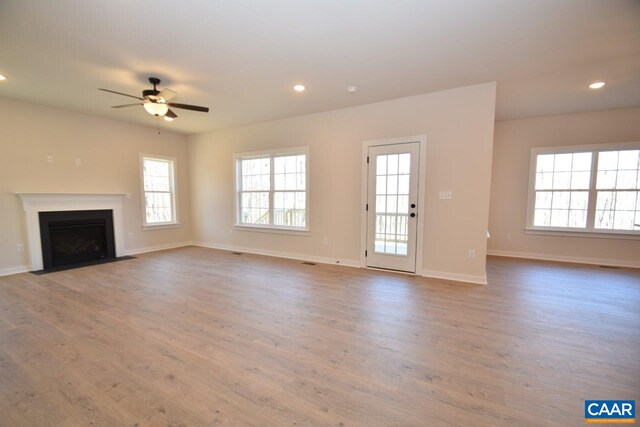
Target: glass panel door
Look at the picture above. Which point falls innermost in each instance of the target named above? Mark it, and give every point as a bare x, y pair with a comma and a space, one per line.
392, 206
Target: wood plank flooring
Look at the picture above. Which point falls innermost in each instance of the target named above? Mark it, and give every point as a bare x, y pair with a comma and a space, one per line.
202, 337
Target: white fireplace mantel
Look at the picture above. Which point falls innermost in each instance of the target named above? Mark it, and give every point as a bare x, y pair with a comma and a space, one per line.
34, 203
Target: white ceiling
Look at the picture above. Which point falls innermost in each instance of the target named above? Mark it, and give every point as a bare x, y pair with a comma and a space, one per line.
241, 57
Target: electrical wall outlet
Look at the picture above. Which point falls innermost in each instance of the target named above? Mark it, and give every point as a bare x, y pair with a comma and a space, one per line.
471, 254
20, 247
446, 195
50, 159
325, 241
78, 162
507, 236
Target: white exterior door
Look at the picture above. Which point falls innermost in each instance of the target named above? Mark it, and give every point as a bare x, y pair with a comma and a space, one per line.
392, 206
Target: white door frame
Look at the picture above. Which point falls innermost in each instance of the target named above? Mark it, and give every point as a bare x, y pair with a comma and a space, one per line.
422, 171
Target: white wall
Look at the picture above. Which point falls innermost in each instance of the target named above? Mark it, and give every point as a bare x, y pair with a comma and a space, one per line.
110, 164
513, 142
459, 126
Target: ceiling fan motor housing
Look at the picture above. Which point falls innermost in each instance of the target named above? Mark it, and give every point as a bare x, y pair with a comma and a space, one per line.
148, 93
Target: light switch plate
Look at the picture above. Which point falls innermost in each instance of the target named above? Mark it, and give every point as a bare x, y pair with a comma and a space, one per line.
446, 195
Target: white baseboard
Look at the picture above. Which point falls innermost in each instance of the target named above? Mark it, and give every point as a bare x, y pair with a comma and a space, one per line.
349, 263
25, 268
456, 277
562, 258
13, 270
278, 254
156, 248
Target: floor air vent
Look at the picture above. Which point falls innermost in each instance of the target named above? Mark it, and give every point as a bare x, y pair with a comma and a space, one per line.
308, 263
610, 266
236, 253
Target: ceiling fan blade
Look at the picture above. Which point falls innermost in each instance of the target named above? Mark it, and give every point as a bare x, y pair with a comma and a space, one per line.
171, 114
126, 105
189, 107
120, 93
166, 94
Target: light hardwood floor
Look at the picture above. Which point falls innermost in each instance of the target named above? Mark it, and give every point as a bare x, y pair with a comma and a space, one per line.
197, 336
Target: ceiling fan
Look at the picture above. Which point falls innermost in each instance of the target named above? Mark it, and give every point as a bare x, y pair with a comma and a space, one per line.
156, 102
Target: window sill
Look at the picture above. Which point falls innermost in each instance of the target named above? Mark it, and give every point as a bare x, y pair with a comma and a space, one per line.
273, 230
588, 234
150, 227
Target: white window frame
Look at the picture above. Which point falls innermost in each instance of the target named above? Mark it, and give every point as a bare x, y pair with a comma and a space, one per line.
589, 230
173, 189
237, 157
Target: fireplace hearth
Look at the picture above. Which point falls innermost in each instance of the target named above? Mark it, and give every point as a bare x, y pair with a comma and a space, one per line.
76, 237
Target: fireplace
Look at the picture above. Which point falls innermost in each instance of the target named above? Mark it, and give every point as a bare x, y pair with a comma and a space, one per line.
76, 237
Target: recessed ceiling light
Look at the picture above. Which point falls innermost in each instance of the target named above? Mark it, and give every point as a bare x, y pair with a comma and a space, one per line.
2, 77
169, 119
299, 88
596, 85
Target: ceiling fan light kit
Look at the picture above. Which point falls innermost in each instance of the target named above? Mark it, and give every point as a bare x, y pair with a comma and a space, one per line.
156, 109
156, 102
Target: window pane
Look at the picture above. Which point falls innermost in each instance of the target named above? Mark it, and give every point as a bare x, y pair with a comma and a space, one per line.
605, 200
254, 208
581, 162
617, 210
543, 199
559, 217
579, 200
156, 175
580, 180
403, 184
545, 163
392, 204
158, 207
392, 164
404, 163
560, 200
289, 208
544, 180
381, 184
392, 184
626, 201
604, 219
626, 179
563, 162
623, 220
255, 174
561, 180
628, 159
542, 217
381, 165
606, 179
279, 165
577, 218
608, 160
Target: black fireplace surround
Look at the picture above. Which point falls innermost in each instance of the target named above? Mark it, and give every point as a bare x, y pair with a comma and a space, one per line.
75, 237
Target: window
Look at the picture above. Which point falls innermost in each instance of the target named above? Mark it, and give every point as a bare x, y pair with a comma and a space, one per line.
158, 186
272, 189
586, 189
